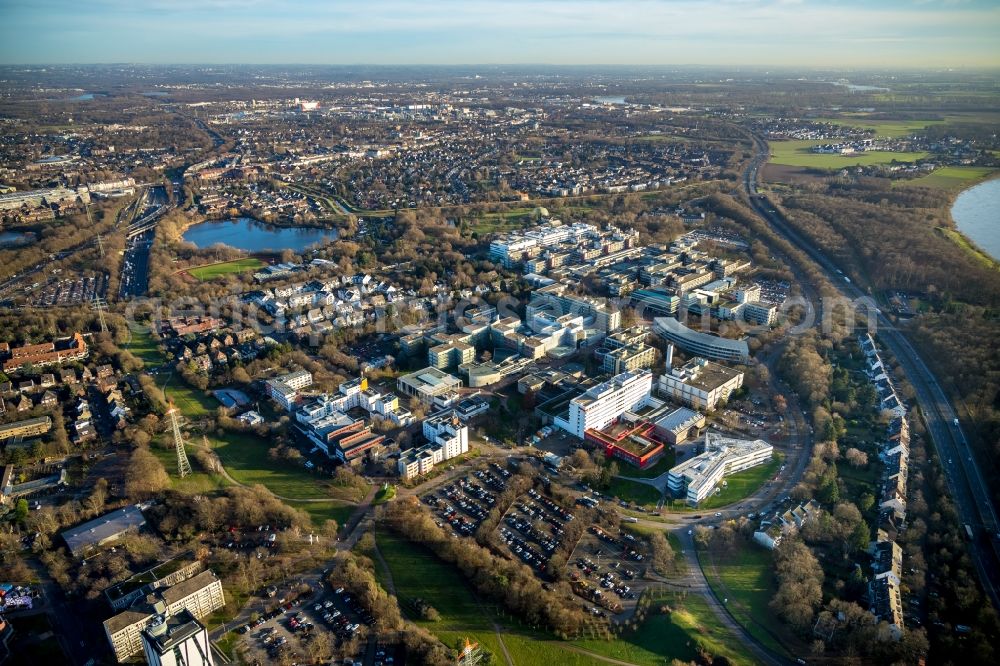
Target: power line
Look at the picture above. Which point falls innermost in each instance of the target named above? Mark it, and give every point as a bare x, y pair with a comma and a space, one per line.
183, 464
99, 305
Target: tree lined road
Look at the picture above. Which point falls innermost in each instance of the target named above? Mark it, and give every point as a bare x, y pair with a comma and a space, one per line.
965, 480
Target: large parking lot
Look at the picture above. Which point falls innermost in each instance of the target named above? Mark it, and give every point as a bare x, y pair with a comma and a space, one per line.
71, 291
603, 568
283, 633
607, 571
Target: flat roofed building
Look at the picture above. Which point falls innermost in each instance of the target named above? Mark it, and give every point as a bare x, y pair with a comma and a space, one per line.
200, 595
447, 436
284, 389
27, 428
606, 402
679, 425
101, 530
702, 344
632, 442
177, 640
427, 384
624, 359
696, 478
700, 384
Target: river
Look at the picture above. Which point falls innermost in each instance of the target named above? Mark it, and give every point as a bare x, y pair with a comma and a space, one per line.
244, 233
976, 212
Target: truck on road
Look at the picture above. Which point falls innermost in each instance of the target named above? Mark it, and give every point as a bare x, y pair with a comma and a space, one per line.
968, 532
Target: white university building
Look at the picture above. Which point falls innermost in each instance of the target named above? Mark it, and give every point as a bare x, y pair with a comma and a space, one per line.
605, 403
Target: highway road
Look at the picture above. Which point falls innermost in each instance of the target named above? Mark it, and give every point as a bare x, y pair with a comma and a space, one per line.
965, 480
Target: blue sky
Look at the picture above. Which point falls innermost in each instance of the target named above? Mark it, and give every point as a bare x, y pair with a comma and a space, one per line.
848, 33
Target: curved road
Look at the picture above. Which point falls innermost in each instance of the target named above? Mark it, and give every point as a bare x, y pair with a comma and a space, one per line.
965, 480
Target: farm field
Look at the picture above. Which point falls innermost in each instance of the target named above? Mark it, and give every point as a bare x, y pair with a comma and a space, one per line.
887, 128
211, 271
797, 153
950, 178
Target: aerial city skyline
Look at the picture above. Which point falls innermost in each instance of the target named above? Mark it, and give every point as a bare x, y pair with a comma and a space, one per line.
844, 33
528, 333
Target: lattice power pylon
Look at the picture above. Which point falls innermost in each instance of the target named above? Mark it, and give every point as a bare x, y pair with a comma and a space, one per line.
471, 654
183, 464
99, 306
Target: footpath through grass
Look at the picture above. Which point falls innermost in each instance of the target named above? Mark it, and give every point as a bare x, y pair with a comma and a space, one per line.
211, 271
676, 634
640, 494
743, 575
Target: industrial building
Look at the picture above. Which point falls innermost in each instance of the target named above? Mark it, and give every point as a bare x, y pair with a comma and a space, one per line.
103, 529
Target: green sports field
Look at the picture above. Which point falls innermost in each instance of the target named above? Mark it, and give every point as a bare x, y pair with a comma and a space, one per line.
212, 271
798, 154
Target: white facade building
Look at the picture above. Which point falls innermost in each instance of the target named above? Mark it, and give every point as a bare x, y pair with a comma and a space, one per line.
448, 437
606, 402
697, 477
178, 640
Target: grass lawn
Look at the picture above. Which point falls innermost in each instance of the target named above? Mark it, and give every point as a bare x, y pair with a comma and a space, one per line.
211, 271
960, 240
320, 512
950, 177
634, 492
744, 574
418, 574
797, 153
193, 403
197, 482
385, 494
661, 466
143, 346
742, 484
245, 458
677, 635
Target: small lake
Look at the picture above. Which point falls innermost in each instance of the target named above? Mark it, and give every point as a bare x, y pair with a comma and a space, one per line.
976, 211
244, 233
10, 239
